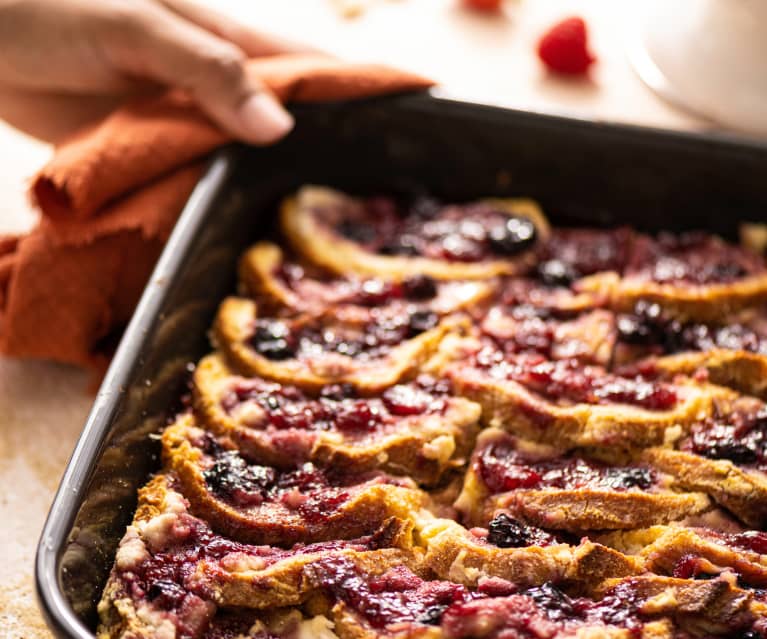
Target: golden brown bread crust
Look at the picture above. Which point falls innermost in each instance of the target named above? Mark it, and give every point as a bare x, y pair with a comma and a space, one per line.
421, 446
509, 405
743, 492
260, 264
743, 371
576, 510
237, 579
454, 553
663, 547
368, 504
232, 330
708, 302
705, 608
317, 243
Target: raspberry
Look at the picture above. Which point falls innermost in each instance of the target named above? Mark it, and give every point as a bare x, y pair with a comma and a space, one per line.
483, 5
563, 48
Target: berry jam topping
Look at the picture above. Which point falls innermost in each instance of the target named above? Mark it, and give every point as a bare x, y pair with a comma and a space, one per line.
570, 254
568, 379
337, 408
311, 492
279, 340
465, 233
397, 596
647, 326
366, 292
693, 257
544, 611
740, 436
502, 468
505, 532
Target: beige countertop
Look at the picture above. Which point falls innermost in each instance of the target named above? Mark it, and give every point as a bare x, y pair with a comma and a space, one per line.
43, 405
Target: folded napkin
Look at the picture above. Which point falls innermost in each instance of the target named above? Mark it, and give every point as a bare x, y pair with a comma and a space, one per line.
110, 197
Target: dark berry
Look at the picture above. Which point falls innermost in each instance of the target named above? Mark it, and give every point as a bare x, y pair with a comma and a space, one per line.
624, 478
514, 235
356, 232
556, 273
753, 540
505, 532
432, 615
406, 400
421, 321
554, 602
632, 330
166, 594
419, 287
357, 416
232, 477
425, 208
338, 392
272, 339
406, 245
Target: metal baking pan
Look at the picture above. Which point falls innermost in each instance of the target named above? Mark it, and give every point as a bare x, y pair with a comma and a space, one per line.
582, 172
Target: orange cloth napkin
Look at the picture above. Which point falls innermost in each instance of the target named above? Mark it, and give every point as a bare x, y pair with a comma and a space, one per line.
110, 197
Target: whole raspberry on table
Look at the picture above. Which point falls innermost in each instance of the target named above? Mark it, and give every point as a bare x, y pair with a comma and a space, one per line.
564, 47
482, 5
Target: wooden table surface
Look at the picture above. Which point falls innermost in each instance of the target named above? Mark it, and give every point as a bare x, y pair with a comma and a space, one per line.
43, 405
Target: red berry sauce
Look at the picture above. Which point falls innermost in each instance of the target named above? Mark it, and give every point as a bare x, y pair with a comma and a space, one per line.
568, 379
458, 233
693, 258
337, 407
740, 437
503, 468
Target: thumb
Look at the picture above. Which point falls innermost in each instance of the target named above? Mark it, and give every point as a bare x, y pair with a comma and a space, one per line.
166, 48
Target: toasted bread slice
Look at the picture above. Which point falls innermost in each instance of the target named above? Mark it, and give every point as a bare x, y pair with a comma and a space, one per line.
696, 552
280, 284
263, 505
740, 490
468, 557
311, 361
564, 491
417, 429
520, 394
310, 218
172, 571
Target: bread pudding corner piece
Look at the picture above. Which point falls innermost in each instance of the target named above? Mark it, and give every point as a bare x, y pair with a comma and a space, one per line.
264, 505
280, 284
554, 490
696, 552
172, 574
417, 429
568, 404
693, 276
371, 237
520, 553
312, 352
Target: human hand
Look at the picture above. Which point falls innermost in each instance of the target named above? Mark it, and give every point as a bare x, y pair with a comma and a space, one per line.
68, 62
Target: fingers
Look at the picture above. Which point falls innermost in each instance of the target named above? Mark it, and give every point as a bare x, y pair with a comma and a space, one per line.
162, 46
253, 42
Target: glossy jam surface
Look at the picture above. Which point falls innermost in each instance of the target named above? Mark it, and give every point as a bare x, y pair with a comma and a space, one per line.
506, 532
278, 339
313, 493
570, 254
459, 233
338, 407
648, 327
568, 379
397, 596
363, 292
740, 436
693, 258
503, 468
